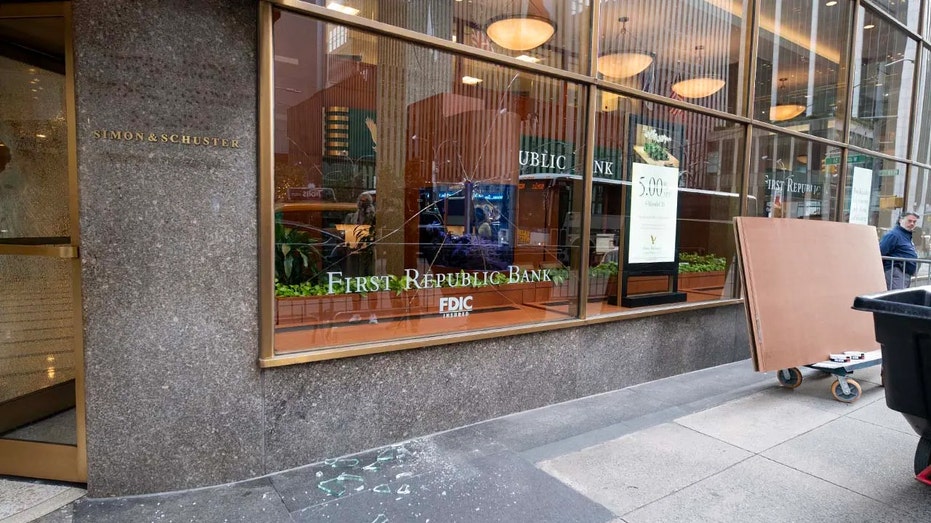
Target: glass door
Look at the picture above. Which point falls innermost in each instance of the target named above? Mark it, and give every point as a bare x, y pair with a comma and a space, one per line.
41, 357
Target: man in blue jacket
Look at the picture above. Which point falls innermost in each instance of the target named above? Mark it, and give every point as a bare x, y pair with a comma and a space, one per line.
897, 243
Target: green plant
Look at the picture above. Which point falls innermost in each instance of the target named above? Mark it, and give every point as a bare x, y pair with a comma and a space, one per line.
398, 284
655, 151
693, 262
604, 269
296, 257
559, 276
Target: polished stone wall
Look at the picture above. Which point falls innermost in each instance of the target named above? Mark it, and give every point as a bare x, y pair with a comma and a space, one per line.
175, 398
168, 242
327, 409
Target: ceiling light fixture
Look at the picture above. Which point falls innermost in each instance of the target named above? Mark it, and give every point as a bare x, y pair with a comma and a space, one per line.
528, 58
471, 80
831, 3
869, 26
526, 27
701, 84
784, 110
622, 59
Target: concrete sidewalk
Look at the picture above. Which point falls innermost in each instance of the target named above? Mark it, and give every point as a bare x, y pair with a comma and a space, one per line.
722, 444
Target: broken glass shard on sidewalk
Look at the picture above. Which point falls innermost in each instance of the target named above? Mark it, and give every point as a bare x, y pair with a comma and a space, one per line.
348, 463
338, 485
386, 455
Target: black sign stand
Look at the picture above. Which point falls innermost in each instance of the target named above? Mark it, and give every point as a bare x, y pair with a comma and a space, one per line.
668, 269
672, 295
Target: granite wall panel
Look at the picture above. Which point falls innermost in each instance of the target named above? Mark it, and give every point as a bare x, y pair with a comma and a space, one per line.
328, 409
169, 250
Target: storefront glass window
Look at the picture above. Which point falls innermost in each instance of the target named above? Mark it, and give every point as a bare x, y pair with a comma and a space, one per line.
548, 32
927, 26
922, 133
662, 213
907, 12
883, 71
691, 51
874, 190
417, 193
800, 70
919, 201
792, 178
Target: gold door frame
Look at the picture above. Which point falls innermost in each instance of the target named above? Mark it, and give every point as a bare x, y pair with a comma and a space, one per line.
39, 459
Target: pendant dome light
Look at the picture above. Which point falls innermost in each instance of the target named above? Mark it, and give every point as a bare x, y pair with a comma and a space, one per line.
702, 84
622, 59
528, 25
784, 110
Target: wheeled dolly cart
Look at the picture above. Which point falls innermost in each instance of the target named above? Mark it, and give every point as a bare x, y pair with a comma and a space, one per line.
843, 388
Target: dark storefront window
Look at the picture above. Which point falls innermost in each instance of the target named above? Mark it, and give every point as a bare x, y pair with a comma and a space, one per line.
691, 51
793, 178
547, 32
417, 193
801, 65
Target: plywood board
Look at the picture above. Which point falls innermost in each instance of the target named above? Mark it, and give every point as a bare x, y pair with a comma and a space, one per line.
800, 278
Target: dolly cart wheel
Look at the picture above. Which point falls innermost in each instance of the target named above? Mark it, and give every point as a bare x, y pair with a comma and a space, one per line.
922, 455
846, 389
790, 378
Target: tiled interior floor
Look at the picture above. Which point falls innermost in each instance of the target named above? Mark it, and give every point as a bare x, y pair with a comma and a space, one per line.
36, 335
60, 428
37, 344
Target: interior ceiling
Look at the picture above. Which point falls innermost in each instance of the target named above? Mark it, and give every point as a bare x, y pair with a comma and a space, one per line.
676, 22
669, 31
670, 34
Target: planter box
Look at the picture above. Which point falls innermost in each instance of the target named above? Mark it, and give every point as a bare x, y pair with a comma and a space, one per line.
648, 284
687, 281
311, 310
701, 280
315, 310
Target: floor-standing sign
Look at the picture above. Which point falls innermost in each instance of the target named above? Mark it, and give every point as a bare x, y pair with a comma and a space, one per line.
860, 195
652, 240
653, 201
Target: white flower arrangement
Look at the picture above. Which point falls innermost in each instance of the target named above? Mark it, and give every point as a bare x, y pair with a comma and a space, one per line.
654, 145
653, 136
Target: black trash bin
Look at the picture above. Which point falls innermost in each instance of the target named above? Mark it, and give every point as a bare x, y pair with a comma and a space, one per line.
902, 321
